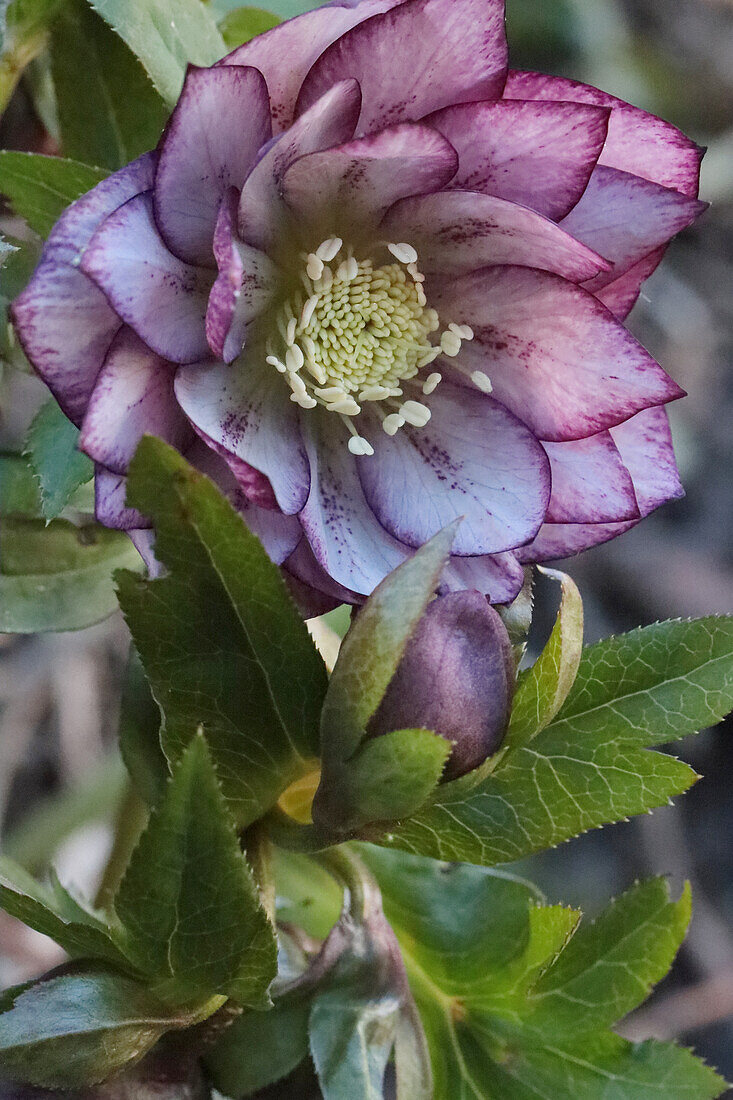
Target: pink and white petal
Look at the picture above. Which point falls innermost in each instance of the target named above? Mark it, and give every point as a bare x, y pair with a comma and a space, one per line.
64, 322
562, 540
143, 540
456, 232
133, 396
278, 533
473, 460
535, 153
621, 295
251, 486
637, 142
556, 357
590, 483
285, 54
245, 285
159, 296
314, 589
348, 189
330, 121
245, 409
498, 576
625, 218
344, 534
645, 445
415, 59
110, 491
211, 143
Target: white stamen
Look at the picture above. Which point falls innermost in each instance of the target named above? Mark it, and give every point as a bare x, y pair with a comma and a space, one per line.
290, 332
331, 393
417, 276
431, 383
294, 358
466, 332
329, 249
304, 402
374, 393
421, 296
450, 344
360, 446
317, 371
428, 358
308, 310
276, 363
325, 281
297, 385
405, 253
415, 413
346, 405
392, 423
314, 267
348, 270
482, 381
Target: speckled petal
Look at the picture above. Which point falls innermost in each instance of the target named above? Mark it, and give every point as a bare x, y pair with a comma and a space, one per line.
557, 358
415, 59
159, 296
211, 142
110, 509
133, 396
473, 460
538, 154
590, 483
563, 540
645, 445
499, 576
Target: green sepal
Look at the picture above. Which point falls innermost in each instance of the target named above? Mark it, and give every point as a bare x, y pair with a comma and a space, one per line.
40, 188
61, 469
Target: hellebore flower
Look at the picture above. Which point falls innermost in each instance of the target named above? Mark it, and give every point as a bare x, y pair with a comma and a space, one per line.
377, 281
456, 678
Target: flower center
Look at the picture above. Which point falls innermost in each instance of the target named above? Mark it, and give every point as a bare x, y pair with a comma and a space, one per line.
360, 336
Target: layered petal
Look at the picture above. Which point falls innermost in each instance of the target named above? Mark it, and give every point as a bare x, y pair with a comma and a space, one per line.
415, 59
620, 296
456, 232
498, 576
637, 142
535, 153
329, 121
344, 534
245, 285
133, 396
348, 189
625, 218
245, 410
645, 445
285, 54
110, 490
314, 589
556, 357
63, 321
159, 296
590, 483
211, 142
473, 460
562, 540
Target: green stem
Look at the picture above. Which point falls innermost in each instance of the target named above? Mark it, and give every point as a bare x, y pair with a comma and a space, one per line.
351, 871
132, 818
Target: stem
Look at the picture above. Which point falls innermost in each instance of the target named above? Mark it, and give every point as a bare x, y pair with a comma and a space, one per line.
351, 871
258, 846
132, 818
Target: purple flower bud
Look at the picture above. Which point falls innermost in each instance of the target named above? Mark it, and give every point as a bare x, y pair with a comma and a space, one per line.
456, 678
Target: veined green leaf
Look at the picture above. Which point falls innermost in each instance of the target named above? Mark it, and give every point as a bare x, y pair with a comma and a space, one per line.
244, 24
40, 188
60, 467
58, 577
109, 112
166, 35
188, 902
221, 641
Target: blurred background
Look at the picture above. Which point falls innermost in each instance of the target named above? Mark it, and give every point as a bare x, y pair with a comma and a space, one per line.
61, 780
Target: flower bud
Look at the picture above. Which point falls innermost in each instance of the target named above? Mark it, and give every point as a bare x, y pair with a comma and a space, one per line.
456, 678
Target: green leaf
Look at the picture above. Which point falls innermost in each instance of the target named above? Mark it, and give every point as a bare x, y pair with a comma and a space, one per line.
109, 112
244, 24
58, 577
188, 902
24, 26
351, 1039
40, 188
589, 766
61, 469
221, 641
139, 735
306, 894
390, 777
515, 1006
52, 911
19, 490
166, 35
260, 1048
79, 1029
543, 688
375, 644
